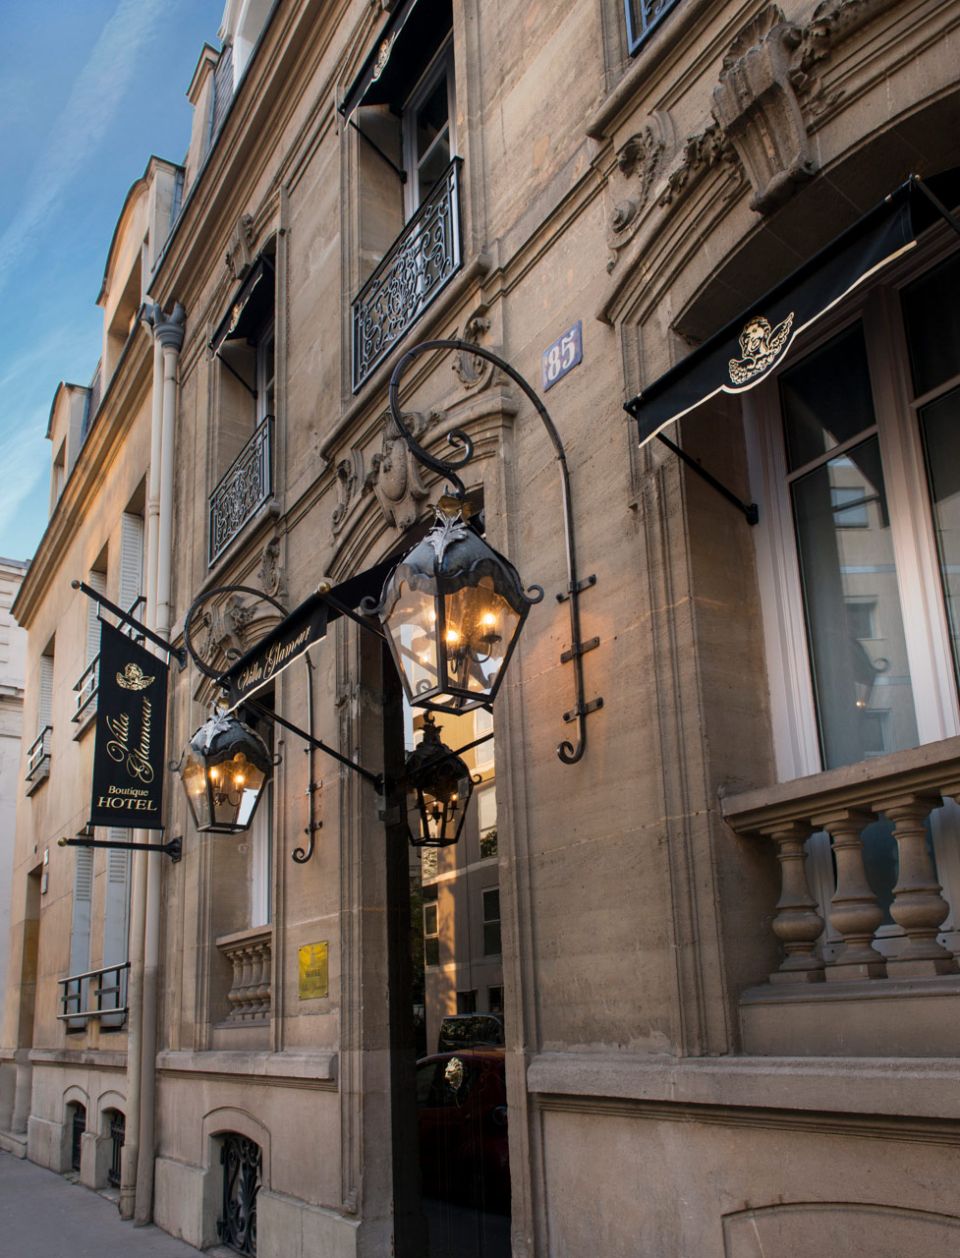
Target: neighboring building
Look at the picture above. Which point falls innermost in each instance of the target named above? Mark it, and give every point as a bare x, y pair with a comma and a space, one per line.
692, 1065
13, 649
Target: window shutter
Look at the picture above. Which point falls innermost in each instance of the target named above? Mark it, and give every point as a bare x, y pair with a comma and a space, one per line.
97, 581
131, 559
45, 705
117, 907
82, 898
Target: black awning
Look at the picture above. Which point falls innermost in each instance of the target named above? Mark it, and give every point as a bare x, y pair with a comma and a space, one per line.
249, 308
403, 50
744, 352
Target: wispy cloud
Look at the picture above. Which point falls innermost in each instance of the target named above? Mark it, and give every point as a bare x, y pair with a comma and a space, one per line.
25, 458
96, 96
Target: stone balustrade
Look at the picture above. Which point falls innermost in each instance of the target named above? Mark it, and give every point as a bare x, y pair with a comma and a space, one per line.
250, 953
905, 788
845, 946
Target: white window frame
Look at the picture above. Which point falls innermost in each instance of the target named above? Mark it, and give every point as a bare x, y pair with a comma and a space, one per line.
923, 607
440, 67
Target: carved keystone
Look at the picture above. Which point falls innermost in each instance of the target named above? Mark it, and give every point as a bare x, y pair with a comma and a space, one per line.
757, 109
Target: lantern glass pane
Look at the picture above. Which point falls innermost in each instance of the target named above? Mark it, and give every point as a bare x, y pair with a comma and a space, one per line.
480, 625
235, 787
194, 780
412, 625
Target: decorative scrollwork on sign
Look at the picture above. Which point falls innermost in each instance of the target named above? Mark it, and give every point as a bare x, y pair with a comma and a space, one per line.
247, 485
418, 266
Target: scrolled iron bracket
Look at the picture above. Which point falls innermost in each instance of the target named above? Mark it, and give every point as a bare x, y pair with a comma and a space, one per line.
300, 854
568, 752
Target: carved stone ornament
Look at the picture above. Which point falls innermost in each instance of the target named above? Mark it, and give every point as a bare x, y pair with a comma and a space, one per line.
471, 370
270, 572
226, 625
240, 252
639, 160
701, 151
756, 107
394, 474
349, 474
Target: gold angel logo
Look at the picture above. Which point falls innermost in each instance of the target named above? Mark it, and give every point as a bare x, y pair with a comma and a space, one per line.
133, 678
761, 346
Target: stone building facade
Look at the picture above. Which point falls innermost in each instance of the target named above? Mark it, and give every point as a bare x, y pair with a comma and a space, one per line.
725, 915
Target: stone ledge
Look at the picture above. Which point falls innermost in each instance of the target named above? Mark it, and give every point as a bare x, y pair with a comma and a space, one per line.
243, 1066
98, 1059
922, 770
893, 1087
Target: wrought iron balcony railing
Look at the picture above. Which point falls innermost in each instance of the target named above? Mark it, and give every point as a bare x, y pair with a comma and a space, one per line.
86, 688
642, 17
245, 487
95, 994
417, 267
38, 756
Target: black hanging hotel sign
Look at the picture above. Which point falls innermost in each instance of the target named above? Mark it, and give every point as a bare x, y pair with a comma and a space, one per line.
129, 755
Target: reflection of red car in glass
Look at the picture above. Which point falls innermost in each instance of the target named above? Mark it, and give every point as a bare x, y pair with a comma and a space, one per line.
462, 1127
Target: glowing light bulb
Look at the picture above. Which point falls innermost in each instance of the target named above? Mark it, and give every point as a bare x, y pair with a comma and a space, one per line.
488, 620
453, 638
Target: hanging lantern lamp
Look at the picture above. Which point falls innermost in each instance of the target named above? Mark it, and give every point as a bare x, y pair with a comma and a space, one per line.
224, 773
441, 785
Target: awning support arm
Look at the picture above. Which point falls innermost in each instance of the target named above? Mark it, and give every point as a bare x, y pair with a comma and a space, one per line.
749, 509
938, 205
377, 149
236, 374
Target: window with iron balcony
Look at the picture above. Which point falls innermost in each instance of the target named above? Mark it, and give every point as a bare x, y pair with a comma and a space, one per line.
402, 112
642, 17
244, 347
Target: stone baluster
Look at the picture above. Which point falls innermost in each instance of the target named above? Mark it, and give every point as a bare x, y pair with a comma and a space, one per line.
854, 911
234, 995
263, 991
918, 906
797, 924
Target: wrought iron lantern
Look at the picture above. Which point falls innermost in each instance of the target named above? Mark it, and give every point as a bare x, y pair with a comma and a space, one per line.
453, 609
441, 785
224, 773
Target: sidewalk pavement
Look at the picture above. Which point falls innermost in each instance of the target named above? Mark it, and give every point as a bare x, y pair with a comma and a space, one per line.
43, 1215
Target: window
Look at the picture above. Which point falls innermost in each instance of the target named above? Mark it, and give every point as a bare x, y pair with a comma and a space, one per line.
245, 346
641, 18
857, 549
431, 941
487, 821
466, 1002
88, 682
863, 447
39, 751
491, 922
427, 128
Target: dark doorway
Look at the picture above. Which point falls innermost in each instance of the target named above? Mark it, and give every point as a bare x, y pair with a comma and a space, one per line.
448, 1077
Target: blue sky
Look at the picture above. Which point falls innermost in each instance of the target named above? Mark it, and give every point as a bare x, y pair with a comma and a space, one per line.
89, 89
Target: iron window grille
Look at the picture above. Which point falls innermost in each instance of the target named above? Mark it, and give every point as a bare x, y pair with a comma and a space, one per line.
118, 1126
242, 1163
242, 491
78, 1127
38, 755
95, 993
415, 270
642, 17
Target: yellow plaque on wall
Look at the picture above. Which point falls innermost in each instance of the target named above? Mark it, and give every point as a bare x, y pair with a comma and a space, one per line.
314, 973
